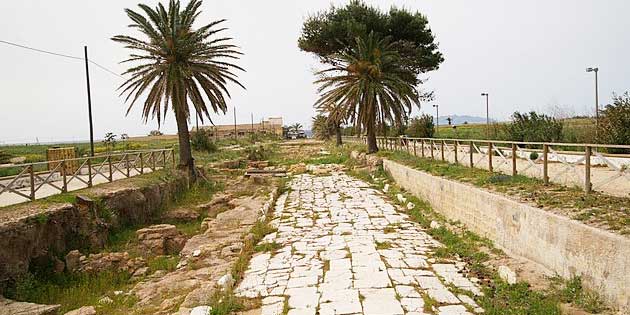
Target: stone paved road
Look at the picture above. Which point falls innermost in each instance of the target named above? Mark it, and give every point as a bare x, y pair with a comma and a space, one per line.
345, 249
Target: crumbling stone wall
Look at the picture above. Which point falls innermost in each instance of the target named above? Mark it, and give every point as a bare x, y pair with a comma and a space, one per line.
42, 240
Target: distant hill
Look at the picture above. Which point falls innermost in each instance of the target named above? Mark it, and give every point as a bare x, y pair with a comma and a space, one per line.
460, 120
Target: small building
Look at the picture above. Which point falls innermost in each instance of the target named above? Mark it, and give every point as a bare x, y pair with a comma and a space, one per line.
272, 125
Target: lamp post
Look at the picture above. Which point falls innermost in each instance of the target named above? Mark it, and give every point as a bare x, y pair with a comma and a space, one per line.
596, 70
437, 118
487, 115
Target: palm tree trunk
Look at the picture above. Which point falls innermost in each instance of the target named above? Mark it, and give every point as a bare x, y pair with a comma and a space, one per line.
186, 161
371, 139
338, 134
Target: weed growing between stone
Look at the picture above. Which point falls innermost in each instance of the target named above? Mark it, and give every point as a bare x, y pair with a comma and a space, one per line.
72, 291
499, 297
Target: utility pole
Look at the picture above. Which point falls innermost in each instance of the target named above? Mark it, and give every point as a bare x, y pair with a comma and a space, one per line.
596, 70
487, 115
437, 118
87, 76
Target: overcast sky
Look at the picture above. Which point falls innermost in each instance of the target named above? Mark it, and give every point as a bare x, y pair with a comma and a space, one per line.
529, 55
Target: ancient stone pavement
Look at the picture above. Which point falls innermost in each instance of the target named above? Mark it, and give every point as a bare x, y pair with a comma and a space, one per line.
345, 249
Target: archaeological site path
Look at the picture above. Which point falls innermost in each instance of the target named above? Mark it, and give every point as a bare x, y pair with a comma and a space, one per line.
345, 249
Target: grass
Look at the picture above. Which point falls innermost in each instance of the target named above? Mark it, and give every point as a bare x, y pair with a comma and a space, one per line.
168, 263
72, 291
267, 247
383, 245
499, 297
610, 212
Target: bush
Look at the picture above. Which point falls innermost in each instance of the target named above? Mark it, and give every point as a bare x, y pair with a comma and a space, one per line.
257, 153
154, 133
322, 128
533, 156
4, 157
534, 127
614, 124
421, 127
200, 141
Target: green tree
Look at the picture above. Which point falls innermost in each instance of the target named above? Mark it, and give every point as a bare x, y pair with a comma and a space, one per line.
421, 127
614, 124
296, 127
534, 127
176, 64
332, 32
322, 129
368, 86
109, 141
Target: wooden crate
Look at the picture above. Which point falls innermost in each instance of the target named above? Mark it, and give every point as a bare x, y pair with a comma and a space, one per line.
55, 154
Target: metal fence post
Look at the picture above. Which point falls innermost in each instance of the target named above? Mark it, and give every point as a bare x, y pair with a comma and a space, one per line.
546, 164
490, 153
514, 171
587, 170
63, 175
31, 172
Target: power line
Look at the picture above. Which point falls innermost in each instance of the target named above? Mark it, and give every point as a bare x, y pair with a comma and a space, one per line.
61, 55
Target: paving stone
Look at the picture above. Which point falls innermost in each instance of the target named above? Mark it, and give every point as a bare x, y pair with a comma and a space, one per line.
329, 227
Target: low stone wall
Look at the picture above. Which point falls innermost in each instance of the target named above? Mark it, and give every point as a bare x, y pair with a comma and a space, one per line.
562, 245
41, 240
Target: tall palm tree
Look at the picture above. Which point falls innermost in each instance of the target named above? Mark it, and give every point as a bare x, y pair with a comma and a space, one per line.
174, 63
296, 127
369, 86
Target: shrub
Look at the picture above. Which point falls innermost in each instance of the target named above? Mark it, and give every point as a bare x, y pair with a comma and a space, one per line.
4, 157
322, 128
257, 153
421, 127
200, 141
155, 133
533, 156
614, 124
534, 127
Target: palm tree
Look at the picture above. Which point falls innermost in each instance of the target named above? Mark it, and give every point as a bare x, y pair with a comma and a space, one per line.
369, 86
174, 63
296, 127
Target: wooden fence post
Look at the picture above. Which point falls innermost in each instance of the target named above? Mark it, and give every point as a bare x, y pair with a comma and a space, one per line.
587, 170
422, 147
127, 163
174, 162
141, 163
455, 150
546, 164
442, 149
63, 175
414, 148
470, 151
89, 164
111, 171
153, 161
432, 154
514, 170
164, 159
31, 172
490, 153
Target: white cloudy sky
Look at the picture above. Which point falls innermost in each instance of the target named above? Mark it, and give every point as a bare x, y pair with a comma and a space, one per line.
526, 54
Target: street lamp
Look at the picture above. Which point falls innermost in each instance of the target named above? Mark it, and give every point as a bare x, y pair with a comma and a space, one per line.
487, 116
437, 118
596, 70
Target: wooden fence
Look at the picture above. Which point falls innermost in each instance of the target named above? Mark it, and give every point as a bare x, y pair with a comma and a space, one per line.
573, 159
28, 181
